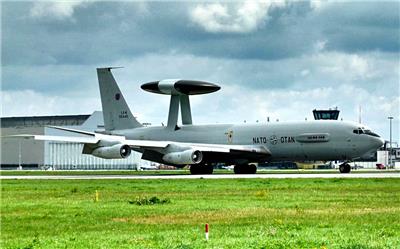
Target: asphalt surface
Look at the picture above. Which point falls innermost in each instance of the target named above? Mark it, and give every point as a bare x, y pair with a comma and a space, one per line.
216, 176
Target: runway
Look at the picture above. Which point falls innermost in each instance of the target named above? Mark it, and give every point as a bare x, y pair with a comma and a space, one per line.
215, 176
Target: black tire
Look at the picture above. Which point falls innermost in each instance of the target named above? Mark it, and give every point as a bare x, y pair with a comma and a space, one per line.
238, 169
345, 168
200, 169
194, 169
252, 169
208, 169
245, 169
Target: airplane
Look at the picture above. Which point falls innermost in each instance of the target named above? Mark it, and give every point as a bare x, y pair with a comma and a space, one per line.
202, 146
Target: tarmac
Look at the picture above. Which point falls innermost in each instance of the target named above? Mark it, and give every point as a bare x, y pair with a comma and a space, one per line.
214, 176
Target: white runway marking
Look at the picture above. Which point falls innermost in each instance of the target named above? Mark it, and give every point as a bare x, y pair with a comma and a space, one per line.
216, 176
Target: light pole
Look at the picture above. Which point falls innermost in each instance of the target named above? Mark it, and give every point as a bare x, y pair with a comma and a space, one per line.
390, 151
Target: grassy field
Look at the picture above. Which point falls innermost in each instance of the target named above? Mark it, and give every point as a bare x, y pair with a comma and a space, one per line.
242, 213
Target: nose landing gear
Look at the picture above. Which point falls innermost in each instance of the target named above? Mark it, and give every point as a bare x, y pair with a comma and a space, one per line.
344, 168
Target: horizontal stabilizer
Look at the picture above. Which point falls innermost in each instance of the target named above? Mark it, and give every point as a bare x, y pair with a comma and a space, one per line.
89, 140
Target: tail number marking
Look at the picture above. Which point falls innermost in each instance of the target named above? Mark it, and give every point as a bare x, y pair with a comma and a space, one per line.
123, 114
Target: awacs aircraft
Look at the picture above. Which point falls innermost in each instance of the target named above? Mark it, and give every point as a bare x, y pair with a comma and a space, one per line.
202, 146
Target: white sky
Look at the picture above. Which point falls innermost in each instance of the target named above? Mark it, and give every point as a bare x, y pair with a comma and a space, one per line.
273, 59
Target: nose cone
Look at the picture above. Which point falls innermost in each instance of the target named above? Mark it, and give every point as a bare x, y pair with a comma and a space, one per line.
370, 147
379, 142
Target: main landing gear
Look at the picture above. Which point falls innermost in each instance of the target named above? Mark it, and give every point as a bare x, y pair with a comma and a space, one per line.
205, 169
344, 168
245, 169
201, 169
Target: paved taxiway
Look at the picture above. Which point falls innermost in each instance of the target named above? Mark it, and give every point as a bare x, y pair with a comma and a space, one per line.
215, 176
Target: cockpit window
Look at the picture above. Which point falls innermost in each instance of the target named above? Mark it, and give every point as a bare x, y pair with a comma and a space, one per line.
367, 132
358, 131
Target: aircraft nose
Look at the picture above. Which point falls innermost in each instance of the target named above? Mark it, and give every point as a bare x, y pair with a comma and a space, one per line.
379, 142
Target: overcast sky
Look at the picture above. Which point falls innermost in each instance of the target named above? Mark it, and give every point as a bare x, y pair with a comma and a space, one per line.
273, 59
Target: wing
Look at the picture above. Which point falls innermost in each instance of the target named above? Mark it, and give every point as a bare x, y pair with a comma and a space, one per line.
212, 153
157, 150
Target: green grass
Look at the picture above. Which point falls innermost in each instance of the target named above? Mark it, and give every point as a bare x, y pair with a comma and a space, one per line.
242, 213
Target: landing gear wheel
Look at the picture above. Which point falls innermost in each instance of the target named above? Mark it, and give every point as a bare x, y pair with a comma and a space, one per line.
238, 169
344, 168
245, 169
194, 169
200, 169
252, 169
208, 169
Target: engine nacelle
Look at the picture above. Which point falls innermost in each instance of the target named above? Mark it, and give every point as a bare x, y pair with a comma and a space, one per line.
184, 157
116, 151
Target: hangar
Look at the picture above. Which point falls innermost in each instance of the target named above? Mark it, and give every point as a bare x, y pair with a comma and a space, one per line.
56, 155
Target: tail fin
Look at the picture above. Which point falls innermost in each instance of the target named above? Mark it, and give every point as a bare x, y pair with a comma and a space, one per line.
116, 113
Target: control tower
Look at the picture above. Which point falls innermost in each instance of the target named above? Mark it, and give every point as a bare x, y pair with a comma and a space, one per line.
331, 114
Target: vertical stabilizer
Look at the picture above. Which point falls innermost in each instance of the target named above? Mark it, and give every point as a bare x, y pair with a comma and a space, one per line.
116, 113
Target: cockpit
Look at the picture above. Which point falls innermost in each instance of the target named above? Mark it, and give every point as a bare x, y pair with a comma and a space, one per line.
365, 131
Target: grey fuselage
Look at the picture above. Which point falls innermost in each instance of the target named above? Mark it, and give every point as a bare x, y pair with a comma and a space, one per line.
300, 141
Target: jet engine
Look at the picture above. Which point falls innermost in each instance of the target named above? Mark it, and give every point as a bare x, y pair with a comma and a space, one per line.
116, 151
184, 157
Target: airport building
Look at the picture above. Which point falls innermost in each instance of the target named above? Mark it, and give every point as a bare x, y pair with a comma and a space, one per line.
331, 114
33, 154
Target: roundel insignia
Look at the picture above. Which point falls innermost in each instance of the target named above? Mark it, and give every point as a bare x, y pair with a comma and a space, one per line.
273, 139
117, 96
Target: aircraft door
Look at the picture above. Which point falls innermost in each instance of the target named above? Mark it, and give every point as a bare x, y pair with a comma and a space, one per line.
345, 146
352, 147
